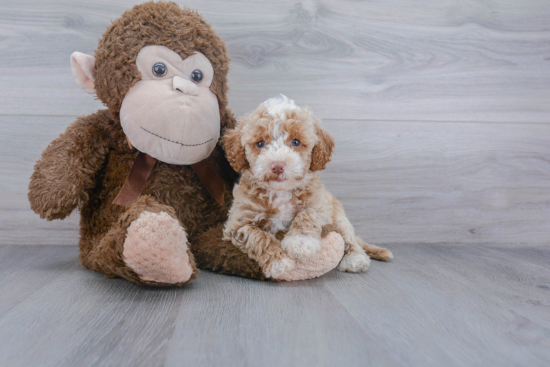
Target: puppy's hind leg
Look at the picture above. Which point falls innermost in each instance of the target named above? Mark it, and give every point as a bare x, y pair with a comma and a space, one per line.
355, 260
357, 254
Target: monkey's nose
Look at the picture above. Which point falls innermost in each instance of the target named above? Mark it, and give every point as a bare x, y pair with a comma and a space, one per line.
185, 86
277, 167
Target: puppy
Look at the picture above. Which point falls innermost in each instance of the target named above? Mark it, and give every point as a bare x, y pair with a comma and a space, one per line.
279, 148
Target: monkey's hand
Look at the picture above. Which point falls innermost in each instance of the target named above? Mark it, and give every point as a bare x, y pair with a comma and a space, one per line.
304, 237
301, 246
64, 175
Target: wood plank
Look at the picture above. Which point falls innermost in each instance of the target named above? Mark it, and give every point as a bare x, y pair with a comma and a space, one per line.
81, 318
458, 305
89, 319
250, 323
398, 60
534, 255
450, 305
25, 270
406, 182
400, 182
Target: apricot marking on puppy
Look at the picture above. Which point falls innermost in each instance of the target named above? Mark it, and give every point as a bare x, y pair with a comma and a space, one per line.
279, 148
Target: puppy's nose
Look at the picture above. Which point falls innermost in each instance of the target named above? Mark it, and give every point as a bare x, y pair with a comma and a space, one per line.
277, 167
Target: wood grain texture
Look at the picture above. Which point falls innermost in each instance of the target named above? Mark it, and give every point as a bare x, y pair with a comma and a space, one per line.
432, 306
404, 182
480, 60
400, 182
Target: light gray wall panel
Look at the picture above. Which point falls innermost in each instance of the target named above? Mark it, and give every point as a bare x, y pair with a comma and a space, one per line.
400, 182
394, 60
439, 108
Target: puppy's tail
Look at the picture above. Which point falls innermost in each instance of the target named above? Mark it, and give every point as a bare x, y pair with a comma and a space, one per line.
377, 253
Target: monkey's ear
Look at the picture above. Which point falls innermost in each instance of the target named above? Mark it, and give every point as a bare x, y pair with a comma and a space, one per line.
83, 67
234, 150
322, 151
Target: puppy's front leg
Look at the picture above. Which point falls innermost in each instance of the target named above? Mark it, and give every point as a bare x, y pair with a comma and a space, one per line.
263, 247
304, 237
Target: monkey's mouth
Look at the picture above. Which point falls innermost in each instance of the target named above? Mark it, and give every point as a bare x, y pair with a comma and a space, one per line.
176, 142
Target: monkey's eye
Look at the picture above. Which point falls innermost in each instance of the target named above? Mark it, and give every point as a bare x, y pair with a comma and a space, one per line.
159, 69
295, 143
196, 76
260, 144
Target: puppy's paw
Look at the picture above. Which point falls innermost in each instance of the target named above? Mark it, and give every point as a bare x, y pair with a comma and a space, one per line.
301, 246
354, 263
277, 269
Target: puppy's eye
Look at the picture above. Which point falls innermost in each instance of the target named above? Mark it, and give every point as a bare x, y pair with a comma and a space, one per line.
295, 143
160, 69
260, 144
196, 76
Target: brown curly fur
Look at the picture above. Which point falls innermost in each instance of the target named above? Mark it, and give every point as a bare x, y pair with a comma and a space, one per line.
183, 31
234, 150
322, 151
87, 165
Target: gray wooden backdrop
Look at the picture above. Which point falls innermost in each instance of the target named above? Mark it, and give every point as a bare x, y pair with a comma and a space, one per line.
440, 109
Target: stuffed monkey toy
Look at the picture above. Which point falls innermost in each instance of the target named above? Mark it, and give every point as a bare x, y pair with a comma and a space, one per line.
148, 175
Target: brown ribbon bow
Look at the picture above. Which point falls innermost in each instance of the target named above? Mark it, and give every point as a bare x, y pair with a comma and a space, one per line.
142, 168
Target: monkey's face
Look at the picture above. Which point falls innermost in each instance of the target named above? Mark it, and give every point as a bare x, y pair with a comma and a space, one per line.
171, 113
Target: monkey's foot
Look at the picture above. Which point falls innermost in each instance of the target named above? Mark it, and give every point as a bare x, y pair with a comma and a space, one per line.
156, 249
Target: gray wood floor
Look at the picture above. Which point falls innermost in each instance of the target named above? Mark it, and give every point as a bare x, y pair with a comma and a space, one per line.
464, 305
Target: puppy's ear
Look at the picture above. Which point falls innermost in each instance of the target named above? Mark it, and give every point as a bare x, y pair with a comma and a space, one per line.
234, 150
322, 151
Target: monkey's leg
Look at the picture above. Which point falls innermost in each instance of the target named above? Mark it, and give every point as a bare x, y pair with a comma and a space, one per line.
147, 245
213, 253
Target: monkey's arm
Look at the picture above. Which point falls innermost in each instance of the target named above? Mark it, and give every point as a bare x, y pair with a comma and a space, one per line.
213, 253
249, 251
66, 172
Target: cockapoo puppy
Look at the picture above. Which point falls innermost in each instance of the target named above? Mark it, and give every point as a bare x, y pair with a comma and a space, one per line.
279, 148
